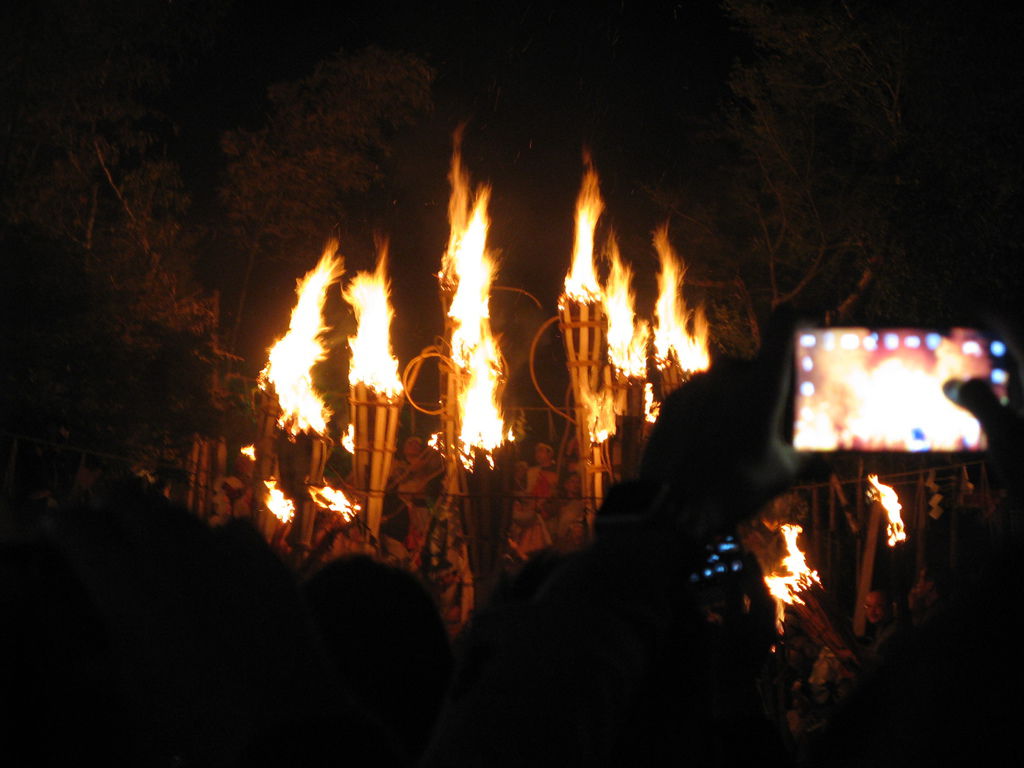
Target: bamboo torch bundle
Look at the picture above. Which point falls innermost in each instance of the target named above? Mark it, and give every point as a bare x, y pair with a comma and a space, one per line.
291, 407
795, 585
472, 380
583, 323
375, 417
583, 331
375, 390
265, 447
627, 341
629, 427
680, 334
318, 449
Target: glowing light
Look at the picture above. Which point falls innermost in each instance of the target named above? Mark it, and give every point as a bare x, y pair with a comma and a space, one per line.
334, 500
627, 338
793, 575
291, 360
348, 439
652, 408
372, 362
886, 496
599, 408
468, 273
581, 283
279, 505
248, 450
680, 334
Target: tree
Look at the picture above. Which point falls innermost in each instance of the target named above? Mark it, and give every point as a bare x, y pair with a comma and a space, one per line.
293, 182
105, 331
872, 168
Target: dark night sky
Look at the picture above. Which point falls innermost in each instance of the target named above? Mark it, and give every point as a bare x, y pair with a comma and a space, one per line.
534, 82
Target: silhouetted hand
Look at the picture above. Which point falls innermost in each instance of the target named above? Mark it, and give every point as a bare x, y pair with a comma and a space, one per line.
1003, 424
719, 446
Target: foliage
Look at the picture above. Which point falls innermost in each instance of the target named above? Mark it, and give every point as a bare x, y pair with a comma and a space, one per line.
870, 172
292, 182
106, 333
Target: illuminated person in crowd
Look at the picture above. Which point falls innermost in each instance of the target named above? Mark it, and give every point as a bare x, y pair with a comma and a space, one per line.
569, 531
233, 493
413, 476
881, 626
542, 479
529, 532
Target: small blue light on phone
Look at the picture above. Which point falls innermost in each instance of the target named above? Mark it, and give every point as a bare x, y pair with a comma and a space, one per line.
912, 342
871, 342
720, 568
971, 348
808, 340
932, 341
807, 388
829, 340
997, 348
917, 440
737, 565
708, 573
849, 341
892, 341
999, 376
807, 363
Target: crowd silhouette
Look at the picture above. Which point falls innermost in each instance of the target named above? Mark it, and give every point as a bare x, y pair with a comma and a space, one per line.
134, 634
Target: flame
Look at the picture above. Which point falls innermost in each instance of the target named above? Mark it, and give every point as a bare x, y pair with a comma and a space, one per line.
886, 496
652, 408
373, 363
581, 282
248, 450
599, 408
468, 271
334, 500
348, 439
793, 576
672, 341
280, 505
292, 358
627, 338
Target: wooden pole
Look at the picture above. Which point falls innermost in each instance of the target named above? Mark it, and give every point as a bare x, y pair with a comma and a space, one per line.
867, 568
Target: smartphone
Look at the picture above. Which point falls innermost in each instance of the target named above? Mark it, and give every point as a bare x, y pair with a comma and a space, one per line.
722, 558
880, 389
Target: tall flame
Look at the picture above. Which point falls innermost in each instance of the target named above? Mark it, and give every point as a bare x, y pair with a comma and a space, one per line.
627, 337
793, 575
469, 271
581, 283
672, 339
886, 496
372, 362
290, 364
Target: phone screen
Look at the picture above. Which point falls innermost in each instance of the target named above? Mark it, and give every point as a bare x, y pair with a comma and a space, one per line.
870, 389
